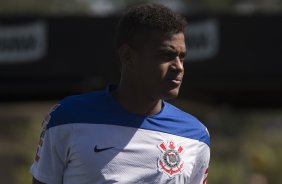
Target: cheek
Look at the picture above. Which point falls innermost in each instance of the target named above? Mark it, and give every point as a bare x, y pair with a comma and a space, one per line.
151, 70
157, 72
163, 68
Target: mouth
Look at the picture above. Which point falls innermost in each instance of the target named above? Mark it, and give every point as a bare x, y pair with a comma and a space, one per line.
175, 81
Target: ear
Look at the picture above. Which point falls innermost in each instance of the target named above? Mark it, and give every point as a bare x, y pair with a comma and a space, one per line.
125, 53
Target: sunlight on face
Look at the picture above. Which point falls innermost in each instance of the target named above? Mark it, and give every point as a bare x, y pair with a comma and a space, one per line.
158, 65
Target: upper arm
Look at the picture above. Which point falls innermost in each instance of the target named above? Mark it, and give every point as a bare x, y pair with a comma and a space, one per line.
52, 153
200, 172
35, 181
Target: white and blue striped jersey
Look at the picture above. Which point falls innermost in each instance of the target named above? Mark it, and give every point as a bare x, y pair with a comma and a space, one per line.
90, 138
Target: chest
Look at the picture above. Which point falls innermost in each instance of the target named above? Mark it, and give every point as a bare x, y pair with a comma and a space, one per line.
115, 153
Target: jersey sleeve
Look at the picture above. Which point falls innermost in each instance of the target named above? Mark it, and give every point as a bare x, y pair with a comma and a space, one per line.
52, 152
200, 172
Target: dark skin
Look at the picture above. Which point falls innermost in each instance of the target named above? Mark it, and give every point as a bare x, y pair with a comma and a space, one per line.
35, 181
150, 73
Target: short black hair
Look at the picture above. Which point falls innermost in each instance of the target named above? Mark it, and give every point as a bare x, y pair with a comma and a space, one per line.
143, 19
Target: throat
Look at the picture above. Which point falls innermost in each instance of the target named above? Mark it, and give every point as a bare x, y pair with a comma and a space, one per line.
155, 108
137, 104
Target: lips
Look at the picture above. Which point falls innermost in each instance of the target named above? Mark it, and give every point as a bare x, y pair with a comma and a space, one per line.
175, 80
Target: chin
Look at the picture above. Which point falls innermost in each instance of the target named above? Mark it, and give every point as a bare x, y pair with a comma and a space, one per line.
171, 94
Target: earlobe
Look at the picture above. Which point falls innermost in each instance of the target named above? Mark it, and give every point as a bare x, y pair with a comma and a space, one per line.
125, 55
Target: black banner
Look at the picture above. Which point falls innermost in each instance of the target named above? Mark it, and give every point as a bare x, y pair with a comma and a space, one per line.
231, 59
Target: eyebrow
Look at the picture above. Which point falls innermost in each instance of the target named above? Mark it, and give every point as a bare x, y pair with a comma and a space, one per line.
172, 50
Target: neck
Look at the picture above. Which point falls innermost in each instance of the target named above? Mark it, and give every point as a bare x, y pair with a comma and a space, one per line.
135, 101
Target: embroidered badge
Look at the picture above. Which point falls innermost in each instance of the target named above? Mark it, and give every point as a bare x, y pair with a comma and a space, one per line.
170, 161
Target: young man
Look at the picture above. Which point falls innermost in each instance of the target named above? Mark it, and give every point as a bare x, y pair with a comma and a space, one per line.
129, 133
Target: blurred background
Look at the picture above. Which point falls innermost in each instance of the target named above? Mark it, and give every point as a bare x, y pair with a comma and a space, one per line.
233, 82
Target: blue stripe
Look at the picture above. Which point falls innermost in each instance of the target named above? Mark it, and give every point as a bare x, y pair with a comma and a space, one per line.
100, 108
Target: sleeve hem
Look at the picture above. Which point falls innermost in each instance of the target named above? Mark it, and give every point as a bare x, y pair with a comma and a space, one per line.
41, 176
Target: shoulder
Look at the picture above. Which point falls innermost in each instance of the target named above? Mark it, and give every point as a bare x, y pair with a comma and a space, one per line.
175, 111
72, 108
191, 126
83, 99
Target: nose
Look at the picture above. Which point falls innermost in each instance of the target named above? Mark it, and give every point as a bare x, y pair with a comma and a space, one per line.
177, 64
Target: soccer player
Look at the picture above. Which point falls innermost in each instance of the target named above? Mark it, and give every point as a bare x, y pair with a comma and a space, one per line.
128, 133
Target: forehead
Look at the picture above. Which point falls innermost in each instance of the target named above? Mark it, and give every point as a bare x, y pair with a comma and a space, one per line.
175, 41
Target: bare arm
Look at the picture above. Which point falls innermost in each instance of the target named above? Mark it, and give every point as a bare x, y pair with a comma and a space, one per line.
35, 181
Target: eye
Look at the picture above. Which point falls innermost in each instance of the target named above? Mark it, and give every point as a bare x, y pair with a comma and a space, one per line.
168, 55
182, 56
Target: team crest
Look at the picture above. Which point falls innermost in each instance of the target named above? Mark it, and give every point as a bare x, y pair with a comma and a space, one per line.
170, 161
